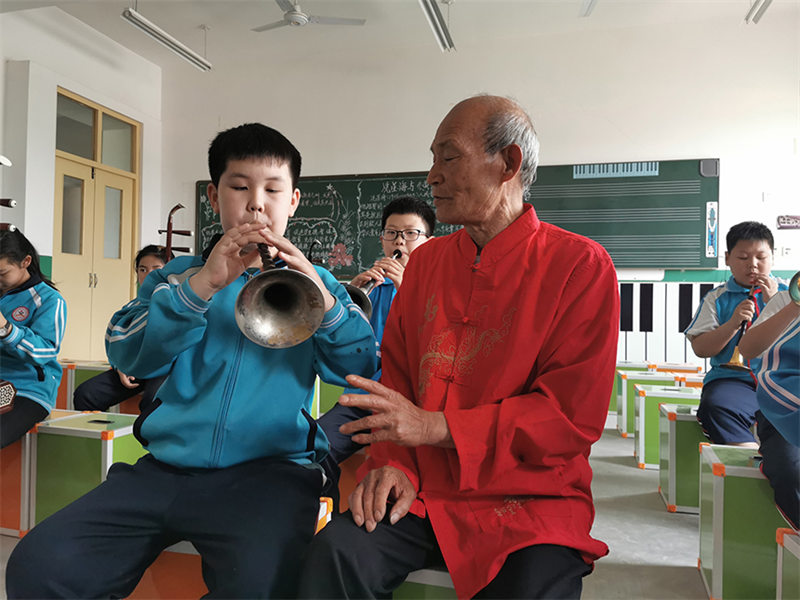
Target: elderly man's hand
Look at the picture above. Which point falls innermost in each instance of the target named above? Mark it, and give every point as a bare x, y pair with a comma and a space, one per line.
369, 500
394, 418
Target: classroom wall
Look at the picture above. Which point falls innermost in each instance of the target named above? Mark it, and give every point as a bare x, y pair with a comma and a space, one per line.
41, 50
710, 87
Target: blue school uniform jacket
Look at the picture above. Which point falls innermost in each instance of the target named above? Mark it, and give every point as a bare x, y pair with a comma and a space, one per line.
228, 400
28, 355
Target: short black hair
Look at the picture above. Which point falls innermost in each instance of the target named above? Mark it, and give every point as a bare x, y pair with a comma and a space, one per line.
749, 230
154, 250
409, 205
252, 140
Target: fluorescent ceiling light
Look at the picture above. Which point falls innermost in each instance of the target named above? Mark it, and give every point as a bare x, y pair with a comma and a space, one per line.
587, 6
757, 10
165, 39
438, 26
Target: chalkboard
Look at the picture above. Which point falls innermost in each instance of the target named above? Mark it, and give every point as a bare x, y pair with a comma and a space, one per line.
650, 214
646, 214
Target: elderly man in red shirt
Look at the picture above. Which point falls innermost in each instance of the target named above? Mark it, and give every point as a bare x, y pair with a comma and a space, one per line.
498, 358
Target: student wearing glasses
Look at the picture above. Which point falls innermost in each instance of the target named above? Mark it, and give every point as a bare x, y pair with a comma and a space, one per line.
406, 224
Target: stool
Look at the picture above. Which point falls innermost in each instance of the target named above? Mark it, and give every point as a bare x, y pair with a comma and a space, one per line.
738, 519
426, 583
72, 455
645, 431
667, 367
15, 470
788, 580
328, 395
616, 390
15, 477
627, 408
680, 436
625, 365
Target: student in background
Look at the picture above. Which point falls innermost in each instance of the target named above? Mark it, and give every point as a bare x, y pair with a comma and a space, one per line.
406, 224
33, 316
775, 338
233, 463
108, 389
728, 402
491, 394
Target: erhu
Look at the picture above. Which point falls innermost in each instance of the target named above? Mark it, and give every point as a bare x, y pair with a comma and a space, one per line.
360, 295
736, 362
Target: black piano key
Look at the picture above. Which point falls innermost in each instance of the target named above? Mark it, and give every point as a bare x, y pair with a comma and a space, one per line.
626, 307
646, 307
685, 308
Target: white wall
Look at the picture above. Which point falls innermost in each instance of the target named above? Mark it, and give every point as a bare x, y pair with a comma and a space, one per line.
41, 50
714, 88
689, 88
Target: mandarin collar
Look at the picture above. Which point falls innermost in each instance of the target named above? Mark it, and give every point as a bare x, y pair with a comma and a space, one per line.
504, 242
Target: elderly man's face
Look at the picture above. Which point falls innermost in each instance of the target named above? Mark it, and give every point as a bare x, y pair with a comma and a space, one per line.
464, 180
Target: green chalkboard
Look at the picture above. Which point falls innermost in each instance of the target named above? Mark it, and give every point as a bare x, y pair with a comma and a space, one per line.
653, 214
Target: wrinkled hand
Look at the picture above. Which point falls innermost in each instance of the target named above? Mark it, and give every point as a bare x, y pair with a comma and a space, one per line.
127, 381
394, 418
768, 285
368, 501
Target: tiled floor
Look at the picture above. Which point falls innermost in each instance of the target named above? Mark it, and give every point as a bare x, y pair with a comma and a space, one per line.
653, 553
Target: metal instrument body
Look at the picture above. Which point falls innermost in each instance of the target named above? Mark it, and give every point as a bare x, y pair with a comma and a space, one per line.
279, 308
360, 295
7, 394
736, 362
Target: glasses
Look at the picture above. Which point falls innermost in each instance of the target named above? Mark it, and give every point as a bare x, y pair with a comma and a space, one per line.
409, 235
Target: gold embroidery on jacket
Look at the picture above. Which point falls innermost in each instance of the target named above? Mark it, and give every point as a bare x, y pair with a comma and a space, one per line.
446, 359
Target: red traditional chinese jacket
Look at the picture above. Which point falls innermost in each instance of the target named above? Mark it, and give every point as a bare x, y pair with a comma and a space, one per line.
517, 346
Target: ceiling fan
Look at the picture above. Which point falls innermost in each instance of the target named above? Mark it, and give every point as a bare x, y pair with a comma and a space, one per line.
294, 16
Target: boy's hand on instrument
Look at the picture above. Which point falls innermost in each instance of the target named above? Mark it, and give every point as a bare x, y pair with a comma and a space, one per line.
364, 278
235, 252
744, 311
392, 269
768, 285
297, 260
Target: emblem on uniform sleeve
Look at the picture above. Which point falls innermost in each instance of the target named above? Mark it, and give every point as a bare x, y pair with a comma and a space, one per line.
20, 313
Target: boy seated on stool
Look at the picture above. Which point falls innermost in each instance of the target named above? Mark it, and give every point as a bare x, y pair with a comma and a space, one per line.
234, 454
775, 338
111, 387
728, 402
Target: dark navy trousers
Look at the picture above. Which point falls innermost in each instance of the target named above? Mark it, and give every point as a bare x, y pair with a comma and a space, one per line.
251, 524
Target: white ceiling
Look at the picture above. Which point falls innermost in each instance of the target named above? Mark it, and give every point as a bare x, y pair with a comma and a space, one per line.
393, 23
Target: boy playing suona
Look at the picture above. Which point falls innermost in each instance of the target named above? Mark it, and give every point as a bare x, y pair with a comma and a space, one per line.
234, 453
728, 402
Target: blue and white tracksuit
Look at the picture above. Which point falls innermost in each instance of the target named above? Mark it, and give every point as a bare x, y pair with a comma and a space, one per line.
29, 353
228, 400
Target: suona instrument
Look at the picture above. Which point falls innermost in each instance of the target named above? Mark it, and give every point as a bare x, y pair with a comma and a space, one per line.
360, 295
279, 308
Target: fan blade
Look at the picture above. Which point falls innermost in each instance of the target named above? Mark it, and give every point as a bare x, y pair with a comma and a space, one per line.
268, 26
335, 20
286, 5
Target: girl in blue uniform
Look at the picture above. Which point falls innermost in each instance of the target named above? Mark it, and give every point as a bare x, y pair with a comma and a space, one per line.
32, 319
